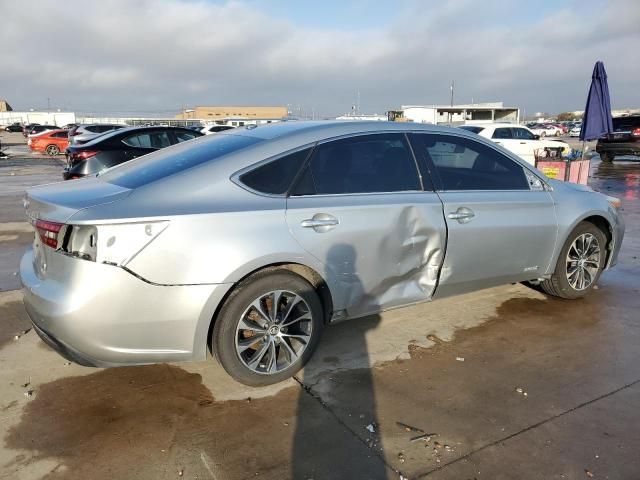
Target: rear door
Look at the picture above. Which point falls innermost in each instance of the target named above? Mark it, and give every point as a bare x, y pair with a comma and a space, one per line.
501, 222
527, 144
359, 208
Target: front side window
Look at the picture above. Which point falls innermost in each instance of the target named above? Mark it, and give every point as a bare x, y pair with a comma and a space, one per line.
464, 164
155, 140
275, 177
362, 164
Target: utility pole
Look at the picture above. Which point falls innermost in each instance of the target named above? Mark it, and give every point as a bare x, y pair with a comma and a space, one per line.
358, 103
452, 92
48, 104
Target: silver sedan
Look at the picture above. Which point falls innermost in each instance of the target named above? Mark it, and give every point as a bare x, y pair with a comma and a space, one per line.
247, 243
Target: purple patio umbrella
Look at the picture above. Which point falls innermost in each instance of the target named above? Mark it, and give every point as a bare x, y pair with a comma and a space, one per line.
596, 120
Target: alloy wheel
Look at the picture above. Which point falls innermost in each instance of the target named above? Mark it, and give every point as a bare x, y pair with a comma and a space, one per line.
583, 261
273, 332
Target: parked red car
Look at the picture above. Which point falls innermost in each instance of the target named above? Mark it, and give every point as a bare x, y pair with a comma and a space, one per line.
51, 143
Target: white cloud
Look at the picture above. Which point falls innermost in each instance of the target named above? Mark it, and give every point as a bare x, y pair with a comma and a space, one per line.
151, 56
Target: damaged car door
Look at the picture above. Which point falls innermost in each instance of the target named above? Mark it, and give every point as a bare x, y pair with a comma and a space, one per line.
359, 206
501, 221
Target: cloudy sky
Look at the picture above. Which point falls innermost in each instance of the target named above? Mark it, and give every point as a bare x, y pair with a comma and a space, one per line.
155, 56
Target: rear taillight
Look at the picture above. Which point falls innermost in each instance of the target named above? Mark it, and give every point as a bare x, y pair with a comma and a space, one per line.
76, 157
635, 132
48, 232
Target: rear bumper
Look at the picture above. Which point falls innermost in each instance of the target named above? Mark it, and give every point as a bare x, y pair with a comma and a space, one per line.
101, 315
627, 148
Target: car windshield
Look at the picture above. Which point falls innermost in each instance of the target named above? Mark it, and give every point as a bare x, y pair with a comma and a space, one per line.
171, 160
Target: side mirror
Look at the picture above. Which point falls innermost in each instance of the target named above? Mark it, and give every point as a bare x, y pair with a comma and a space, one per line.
536, 137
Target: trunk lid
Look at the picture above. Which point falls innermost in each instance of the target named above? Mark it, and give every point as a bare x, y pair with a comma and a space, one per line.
57, 202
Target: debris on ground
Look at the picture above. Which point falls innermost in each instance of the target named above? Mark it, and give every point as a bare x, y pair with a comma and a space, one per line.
21, 333
409, 428
371, 427
401, 457
425, 436
25, 385
588, 473
460, 359
181, 472
29, 393
521, 391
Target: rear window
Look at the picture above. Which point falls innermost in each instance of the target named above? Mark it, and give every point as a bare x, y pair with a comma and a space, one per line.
175, 159
471, 128
625, 123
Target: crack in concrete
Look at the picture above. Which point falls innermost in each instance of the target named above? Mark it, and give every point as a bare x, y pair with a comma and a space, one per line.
526, 429
307, 389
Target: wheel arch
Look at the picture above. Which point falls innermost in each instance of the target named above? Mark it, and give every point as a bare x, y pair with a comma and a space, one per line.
309, 274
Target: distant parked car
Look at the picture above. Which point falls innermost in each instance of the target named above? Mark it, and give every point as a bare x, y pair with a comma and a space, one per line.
84, 133
27, 128
516, 138
69, 126
575, 131
38, 129
14, 127
546, 130
625, 139
50, 142
211, 129
116, 147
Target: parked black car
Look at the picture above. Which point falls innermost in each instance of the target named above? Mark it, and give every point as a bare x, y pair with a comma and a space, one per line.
119, 146
14, 127
41, 128
625, 139
27, 128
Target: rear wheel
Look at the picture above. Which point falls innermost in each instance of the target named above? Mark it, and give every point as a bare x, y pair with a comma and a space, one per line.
580, 263
52, 150
268, 328
606, 157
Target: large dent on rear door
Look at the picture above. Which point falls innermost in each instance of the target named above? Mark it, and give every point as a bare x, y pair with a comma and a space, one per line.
410, 255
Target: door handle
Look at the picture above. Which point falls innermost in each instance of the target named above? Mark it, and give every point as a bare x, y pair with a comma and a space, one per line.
320, 222
311, 223
462, 215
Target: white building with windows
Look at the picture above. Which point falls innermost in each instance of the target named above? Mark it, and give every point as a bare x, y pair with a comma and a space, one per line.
457, 114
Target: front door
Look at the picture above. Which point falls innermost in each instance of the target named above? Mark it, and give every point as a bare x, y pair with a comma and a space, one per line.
500, 230
359, 208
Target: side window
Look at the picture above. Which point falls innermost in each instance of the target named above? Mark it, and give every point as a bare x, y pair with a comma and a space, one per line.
148, 140
502, 133
361, 164
464, 164
59, 135
522, 134
184, 136
275, 177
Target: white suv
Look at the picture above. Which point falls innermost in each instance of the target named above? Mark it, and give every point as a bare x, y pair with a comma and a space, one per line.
516, 138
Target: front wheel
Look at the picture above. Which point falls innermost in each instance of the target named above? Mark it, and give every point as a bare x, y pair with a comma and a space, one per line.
580, 263
268, 328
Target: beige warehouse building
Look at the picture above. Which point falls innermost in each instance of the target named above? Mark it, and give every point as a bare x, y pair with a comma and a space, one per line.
226, 112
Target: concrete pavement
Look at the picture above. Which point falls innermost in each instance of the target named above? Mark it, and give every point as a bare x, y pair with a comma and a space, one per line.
451, 375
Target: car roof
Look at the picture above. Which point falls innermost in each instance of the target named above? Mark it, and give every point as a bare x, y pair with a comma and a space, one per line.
324, 129
126, 130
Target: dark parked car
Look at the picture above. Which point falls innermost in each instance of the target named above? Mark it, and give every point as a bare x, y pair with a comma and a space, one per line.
625, 139
119, 146
14, 127
41, 128
27, 128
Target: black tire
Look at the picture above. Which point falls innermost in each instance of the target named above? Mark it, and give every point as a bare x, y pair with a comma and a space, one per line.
52, 150
606, 157
225, 331
558, 285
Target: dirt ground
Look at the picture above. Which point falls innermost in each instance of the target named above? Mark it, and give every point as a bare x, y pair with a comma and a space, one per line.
501, 384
